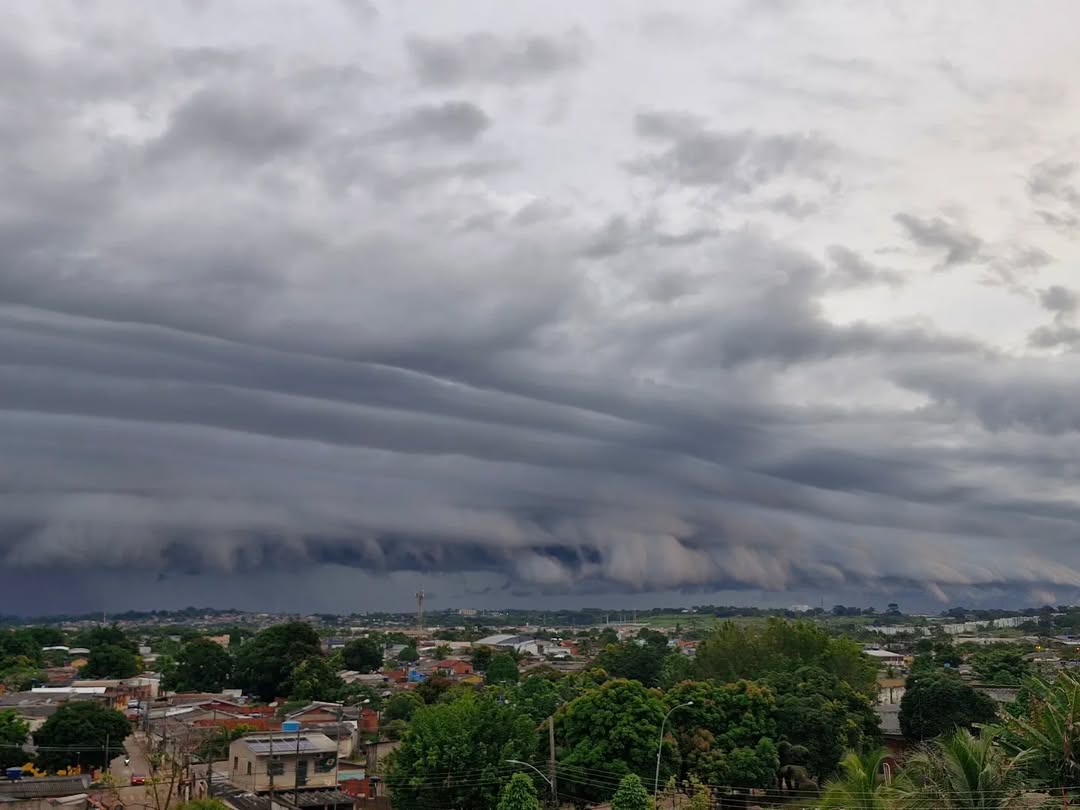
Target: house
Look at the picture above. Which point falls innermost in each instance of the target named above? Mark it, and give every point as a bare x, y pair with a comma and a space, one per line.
453, 666
319, 711
46, 793
885, 658
526, 645
890, 691
283, 761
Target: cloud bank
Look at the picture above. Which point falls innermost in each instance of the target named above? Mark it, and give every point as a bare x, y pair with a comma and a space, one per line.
481, 292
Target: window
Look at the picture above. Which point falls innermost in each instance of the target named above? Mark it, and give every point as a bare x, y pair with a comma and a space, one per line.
249, 768
275, 768
235, 763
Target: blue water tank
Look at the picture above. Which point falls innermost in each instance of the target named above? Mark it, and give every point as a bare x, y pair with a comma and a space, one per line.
290, 725
14, 774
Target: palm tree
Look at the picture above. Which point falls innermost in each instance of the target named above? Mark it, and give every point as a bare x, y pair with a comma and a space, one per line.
862, 784
1047, 728
959, 771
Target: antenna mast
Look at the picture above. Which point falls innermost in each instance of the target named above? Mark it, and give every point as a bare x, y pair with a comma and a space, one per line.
420, 610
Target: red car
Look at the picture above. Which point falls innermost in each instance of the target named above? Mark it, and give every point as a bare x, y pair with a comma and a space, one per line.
138, 779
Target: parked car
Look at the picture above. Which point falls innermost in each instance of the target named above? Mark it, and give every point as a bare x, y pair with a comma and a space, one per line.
138, 779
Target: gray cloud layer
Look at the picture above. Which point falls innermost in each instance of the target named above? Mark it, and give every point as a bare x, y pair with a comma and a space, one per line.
270, 309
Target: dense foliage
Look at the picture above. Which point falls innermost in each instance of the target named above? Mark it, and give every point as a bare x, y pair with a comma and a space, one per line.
264, 665
936, 704
455, 753
613, 729
202, 666
736, 652
14, 733
519, 794
77, 734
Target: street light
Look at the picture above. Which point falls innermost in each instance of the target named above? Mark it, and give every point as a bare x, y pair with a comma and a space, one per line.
539, 772
660, 747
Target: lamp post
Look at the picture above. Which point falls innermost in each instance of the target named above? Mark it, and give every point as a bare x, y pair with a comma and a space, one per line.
660, 746
540, 773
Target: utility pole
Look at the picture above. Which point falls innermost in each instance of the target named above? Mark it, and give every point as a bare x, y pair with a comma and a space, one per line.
420, 610
551, 761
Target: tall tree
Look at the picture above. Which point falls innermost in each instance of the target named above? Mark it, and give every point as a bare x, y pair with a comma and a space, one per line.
100, 636
1045, 728
861, 785
77, 733
963, 772
614, 729
265, 663
202, 666
14, 734
825, 716
635, 661
736, 652
313, 679
935, 704
363, 655
727, 737
110, 661
519, 794
631, 794
503, 669
454, 754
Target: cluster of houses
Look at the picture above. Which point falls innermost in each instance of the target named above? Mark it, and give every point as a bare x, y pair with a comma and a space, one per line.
322, 756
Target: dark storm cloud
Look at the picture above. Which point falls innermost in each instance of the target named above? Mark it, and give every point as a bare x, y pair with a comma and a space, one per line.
740, 161
959, 245
233, 126
449, 122
485, 58
851, 269
271, 316
1059, 300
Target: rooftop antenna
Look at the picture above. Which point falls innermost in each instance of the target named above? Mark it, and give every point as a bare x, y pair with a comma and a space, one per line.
420, 610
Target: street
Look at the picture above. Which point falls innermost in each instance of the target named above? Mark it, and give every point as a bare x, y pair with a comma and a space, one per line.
129, 795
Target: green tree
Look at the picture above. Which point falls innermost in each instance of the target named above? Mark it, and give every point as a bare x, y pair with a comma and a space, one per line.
442, 651
614, 729
861, 785
403, 706
1045, 729
471, 735
47, 636
963, 772
503, 669
110, 661
362, 655
631, 794
825, 716
537, 697
635, 661
519, 794
408, 655
313, 679
937, 704
701, 797
481, 658
727, 737
1001, 665
14, 734
202, 666
102, 636
735, 652
19, 644
265, 663
203, 804
77, 732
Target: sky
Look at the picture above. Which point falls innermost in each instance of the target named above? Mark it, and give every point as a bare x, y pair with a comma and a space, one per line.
309, 305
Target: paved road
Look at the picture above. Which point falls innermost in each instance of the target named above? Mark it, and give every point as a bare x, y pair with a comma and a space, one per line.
132, 795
